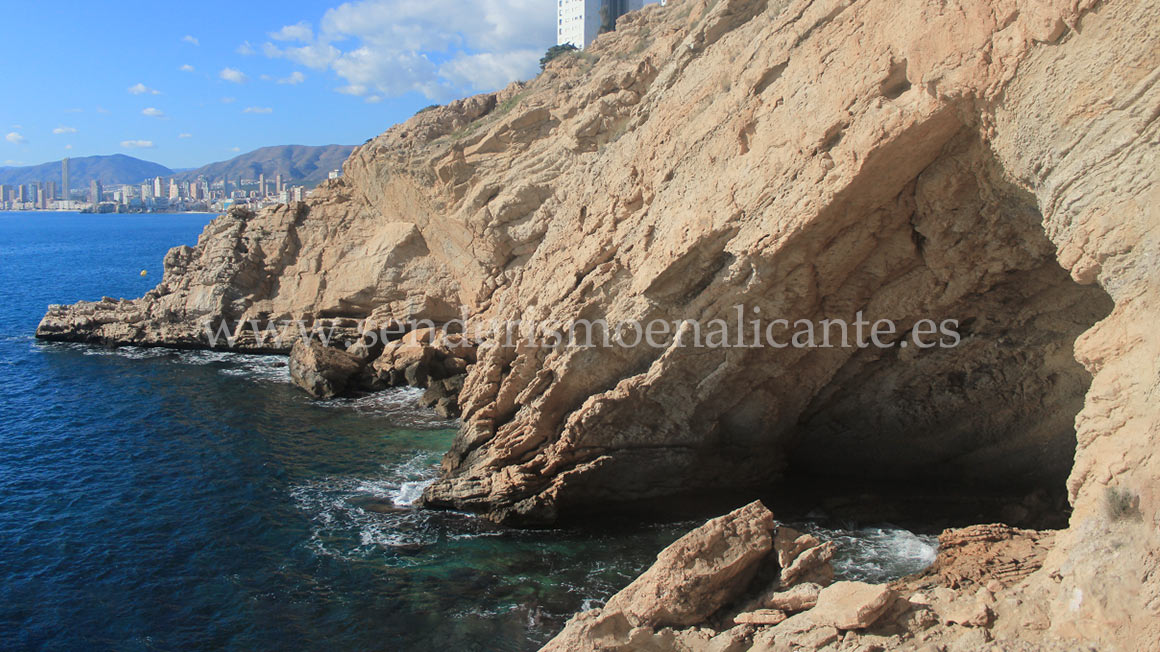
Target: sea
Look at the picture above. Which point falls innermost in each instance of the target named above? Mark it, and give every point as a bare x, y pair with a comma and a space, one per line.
179, 500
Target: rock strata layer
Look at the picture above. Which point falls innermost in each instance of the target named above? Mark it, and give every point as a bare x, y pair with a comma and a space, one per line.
987, 161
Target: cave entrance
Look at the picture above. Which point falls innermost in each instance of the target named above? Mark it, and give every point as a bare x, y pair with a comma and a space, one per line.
981, 431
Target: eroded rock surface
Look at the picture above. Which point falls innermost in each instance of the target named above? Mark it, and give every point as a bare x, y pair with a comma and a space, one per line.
989, 161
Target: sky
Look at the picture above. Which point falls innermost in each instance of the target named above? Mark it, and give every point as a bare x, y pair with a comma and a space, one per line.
186, 84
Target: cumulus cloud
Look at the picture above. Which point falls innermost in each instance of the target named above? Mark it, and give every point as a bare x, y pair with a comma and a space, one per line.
245, 49
373, 99
297, 32
142, 89
294, 78
258, 109
15, 138
233, 75
186, 68
192, 40
153, 113
64, 130
137, 144
440, 48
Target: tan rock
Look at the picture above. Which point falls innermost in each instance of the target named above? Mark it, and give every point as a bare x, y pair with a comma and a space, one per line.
691, 579
700, 572
760, 617
322, 371
799, 598
851, 605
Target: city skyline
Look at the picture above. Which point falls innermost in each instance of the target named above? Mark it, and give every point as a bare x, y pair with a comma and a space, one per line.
187, 87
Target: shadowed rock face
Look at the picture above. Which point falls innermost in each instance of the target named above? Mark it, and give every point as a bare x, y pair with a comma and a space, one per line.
990, 162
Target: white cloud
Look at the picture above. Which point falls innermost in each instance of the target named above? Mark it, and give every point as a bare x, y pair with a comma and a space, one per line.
142, 89
245, 49
64, 130
15, 138
490, 70
229, 100
233, 75
294, 78
186, 68
235, 149
373, 99
12, 162
298, 32
394, 44
68, 146
137, 144
153, 113
191, 40
185, 135
258, 109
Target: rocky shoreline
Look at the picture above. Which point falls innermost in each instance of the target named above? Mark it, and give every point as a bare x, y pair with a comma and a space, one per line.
745, 582
991, 162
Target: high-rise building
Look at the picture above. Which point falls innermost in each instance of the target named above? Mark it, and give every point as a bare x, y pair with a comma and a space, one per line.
278, 184
158, 187
174, 190
41, 196
578, 22
64, 181
51, 190
146, 190
225, 187
262, 185
95, 192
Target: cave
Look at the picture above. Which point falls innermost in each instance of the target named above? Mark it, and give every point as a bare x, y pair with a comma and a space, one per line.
982, 430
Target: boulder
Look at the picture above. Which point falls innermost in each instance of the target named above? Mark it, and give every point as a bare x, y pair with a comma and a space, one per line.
700, 572
691, 579
324, 372
851, 605
799, 598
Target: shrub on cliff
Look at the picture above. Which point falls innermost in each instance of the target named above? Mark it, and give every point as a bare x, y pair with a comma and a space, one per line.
556, 51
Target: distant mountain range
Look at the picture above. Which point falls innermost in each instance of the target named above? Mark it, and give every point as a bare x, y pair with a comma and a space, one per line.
300, 164
109, 170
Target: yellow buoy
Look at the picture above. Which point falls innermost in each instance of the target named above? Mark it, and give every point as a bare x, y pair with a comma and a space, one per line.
144, 273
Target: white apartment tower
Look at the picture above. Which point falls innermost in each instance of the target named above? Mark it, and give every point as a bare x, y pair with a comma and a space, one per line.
578, 21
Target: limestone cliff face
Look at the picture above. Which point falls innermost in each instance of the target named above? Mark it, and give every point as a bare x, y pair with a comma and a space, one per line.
987, 161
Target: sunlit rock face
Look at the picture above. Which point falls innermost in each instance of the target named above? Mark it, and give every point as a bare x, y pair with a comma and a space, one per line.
988, 162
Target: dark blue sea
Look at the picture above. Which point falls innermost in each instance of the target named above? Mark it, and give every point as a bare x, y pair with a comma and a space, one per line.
161, 500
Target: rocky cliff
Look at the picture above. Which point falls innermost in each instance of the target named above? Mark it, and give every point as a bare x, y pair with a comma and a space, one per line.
992, 162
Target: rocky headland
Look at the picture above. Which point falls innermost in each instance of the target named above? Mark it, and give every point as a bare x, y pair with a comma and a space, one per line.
993, 162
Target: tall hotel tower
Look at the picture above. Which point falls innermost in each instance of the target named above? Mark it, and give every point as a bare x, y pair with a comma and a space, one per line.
579, 21
64, 195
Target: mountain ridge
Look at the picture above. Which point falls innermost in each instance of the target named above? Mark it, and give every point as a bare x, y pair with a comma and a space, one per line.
302, 164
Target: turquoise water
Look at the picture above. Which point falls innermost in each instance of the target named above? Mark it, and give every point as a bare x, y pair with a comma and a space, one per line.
159, 500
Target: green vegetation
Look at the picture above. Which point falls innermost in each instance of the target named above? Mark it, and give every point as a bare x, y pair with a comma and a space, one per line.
428, 108
554, 52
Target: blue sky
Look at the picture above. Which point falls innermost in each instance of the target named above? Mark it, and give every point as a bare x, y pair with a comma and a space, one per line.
185, 84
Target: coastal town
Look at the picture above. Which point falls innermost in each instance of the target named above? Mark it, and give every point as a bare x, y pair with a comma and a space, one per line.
154, 195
